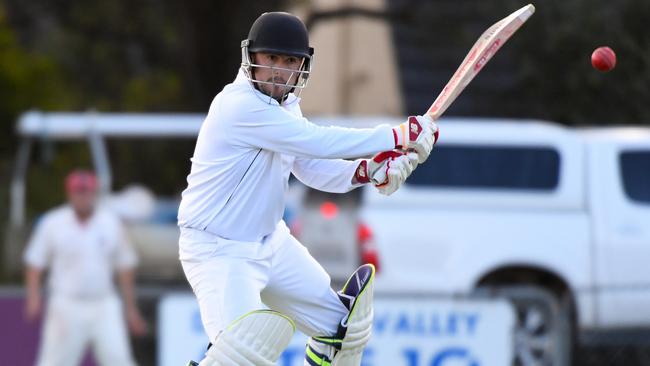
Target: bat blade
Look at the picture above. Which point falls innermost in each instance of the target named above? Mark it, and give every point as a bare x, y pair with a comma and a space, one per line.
481, 52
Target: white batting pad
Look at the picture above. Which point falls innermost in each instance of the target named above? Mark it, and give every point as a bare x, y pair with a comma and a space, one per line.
256, 339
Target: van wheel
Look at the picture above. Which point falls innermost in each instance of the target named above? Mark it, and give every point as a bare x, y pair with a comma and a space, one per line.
543, 325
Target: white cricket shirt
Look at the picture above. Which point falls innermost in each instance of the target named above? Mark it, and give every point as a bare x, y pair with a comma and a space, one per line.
81, 257
244, 153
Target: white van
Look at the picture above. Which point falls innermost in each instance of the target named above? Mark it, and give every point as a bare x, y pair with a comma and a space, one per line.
556, 219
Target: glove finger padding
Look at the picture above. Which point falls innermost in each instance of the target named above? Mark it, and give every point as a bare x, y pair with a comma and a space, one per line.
398, 170
414, 159
424, 148
393, 184
428, 137
432, 138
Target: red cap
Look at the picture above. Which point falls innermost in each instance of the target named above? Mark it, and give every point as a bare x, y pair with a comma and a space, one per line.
81, 180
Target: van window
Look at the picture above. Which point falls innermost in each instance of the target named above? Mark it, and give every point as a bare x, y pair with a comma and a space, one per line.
635, 173
471, 166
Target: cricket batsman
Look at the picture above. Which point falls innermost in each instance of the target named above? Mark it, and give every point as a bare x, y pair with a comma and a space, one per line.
254, 282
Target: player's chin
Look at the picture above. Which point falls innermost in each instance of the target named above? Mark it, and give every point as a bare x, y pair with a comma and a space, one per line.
279, 91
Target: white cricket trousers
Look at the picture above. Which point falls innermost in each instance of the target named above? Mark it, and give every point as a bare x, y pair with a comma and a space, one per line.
231, 278
71, 325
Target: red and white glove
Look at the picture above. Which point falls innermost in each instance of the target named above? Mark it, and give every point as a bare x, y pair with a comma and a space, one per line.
418, 133
387, 171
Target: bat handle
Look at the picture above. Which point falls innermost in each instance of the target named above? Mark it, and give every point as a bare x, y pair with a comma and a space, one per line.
432, 115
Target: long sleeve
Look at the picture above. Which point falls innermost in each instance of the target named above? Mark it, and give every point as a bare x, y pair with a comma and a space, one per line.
329, 175
238, 178
277, 129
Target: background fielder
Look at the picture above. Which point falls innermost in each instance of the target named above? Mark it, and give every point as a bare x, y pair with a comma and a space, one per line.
236, 251
83, 247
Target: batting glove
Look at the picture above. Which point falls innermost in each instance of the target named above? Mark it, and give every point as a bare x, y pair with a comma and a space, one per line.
387, 170
419, 134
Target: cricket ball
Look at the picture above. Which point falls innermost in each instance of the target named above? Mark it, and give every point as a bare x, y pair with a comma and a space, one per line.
603, 59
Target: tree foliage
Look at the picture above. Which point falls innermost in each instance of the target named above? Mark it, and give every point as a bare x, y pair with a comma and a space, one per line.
543, 72
117, 55
27, 80
557, 79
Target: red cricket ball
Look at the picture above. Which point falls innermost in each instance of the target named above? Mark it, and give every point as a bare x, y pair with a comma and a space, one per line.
603, 59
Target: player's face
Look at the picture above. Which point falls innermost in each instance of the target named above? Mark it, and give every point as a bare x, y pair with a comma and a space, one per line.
82, 201
278, 71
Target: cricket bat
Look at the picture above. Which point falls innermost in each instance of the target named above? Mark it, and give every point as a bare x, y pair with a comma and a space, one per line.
481, 52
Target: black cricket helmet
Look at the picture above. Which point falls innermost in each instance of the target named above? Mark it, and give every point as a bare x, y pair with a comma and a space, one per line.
282, 34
